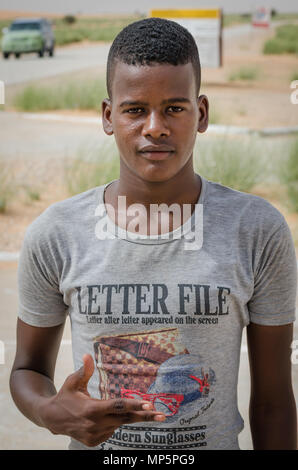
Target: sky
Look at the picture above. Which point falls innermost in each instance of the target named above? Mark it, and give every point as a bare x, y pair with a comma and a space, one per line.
142, 6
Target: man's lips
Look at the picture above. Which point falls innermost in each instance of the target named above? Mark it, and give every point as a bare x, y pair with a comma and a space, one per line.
160, 152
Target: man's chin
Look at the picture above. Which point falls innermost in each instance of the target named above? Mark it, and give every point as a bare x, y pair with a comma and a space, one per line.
152, 172
162, 177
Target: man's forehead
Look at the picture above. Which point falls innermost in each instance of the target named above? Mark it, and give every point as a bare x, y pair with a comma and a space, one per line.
133, 79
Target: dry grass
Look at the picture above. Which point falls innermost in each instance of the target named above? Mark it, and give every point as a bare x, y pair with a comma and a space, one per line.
60, 179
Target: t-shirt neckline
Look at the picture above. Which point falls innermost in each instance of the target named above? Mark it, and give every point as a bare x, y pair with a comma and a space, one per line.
176, 234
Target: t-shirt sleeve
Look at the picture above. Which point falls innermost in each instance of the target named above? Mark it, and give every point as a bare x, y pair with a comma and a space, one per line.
275, 284
40, 300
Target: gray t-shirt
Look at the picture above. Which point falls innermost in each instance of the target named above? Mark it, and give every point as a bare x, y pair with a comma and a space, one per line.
162, 316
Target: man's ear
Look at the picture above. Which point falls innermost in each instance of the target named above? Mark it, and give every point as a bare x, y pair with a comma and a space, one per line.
106, 111
203, 106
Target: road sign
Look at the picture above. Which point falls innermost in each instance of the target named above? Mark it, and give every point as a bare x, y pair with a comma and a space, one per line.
206, 27
261, 17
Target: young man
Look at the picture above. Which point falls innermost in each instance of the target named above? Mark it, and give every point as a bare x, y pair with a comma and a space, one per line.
160, 312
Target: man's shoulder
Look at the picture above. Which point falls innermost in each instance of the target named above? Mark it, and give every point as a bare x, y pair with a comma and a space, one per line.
76, 203
248, 208
62, 215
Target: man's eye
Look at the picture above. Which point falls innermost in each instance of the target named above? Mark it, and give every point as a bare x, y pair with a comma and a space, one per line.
134, 110
176, 109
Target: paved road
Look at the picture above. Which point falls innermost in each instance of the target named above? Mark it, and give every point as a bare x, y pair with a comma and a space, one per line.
39, 139
74, 58
68, 59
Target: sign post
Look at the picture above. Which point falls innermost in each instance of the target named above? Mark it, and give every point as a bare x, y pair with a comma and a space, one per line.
206, 28
2, 94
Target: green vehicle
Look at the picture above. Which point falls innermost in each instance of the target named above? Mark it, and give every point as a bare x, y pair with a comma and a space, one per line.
28, 35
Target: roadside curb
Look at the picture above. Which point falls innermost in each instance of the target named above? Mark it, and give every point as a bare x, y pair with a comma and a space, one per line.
265, 132
9, 256
63, 118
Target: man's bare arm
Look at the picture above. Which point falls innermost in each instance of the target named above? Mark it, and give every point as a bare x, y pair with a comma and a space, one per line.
71, 411
32, 375
272, 409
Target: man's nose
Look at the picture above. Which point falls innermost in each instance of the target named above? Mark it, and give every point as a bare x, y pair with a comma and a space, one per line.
155, 126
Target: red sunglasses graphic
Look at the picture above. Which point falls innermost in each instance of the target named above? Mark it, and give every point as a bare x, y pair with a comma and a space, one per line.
168, 403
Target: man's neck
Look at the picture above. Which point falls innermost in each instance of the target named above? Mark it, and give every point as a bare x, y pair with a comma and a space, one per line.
185, 192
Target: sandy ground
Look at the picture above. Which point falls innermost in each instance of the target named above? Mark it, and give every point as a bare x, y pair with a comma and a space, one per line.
23, 210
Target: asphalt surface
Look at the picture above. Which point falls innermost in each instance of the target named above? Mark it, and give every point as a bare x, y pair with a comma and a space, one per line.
66, 59
40, 139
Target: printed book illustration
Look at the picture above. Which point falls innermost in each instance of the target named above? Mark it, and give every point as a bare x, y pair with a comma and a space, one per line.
153, 365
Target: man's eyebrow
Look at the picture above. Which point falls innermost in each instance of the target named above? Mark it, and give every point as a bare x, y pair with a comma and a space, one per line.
141, 103
176, 100
132, 103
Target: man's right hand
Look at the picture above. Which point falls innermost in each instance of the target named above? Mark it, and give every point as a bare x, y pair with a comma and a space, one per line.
72, 412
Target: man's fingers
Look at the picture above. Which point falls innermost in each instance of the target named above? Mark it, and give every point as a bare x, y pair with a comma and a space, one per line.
117, 406
88, 370
140, 416
79, 379
124, 405
135, 417
119, 411
121, 406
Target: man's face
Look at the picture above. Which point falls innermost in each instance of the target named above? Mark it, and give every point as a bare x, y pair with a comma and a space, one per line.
155, 115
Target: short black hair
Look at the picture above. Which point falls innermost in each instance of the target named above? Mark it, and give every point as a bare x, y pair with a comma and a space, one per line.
153, 41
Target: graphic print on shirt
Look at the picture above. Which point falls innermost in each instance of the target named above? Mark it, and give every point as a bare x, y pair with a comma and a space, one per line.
153, 365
